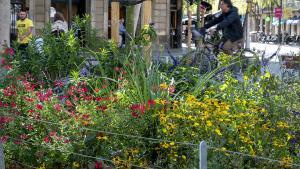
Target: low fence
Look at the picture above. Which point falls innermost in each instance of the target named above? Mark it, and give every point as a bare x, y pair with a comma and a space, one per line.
204, 152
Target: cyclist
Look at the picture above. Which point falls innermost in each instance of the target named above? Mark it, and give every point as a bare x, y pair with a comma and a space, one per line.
230, 24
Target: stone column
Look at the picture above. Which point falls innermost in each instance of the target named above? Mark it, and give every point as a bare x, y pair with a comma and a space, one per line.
99, 13
5, 22
40, 11
161, 10
115, 19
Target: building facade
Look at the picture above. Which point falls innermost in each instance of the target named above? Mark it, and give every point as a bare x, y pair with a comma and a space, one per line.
165, 14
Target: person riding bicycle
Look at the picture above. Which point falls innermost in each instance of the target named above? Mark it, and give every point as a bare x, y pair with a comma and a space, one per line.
230, 24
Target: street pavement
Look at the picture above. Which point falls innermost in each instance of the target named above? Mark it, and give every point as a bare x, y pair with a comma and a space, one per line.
270, 49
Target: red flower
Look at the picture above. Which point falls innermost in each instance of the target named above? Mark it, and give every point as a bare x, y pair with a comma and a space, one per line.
98, 165
97, 90
49, 93
24, 136
7, 67
31, 111
57, 107
28, 99
4, 119
3, 61
117, 69
86, 116
67, 141
13, 104
39, 107
102, 108
9, 51
29, 127
151, 103
52, 134
28, 86
138, 107
88, 98
134, 114
17, 142
84, 90
3, 139
46, 139
59, 83
69, 103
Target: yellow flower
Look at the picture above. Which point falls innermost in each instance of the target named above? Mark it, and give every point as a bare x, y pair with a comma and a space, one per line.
267, 75
163, 86
218, 131
196, 124
183, 157
281, 124
286, 161
42, 166
246, 78
165, 145
102, 137
208, 123
76, 164
223, 87
116, 160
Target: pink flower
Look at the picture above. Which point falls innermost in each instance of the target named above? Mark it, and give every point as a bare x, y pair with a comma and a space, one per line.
39, 107
57, 107
171, 89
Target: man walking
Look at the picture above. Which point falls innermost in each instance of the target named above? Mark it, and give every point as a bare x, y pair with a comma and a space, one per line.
24, 28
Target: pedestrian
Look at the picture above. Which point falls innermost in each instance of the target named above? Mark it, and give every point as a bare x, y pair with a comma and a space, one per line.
24, 30
60, 25
122, 31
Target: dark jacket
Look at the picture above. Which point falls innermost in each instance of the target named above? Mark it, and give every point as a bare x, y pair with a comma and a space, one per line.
229, 23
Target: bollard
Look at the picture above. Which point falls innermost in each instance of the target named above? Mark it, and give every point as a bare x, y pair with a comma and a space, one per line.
2, 162
203, 155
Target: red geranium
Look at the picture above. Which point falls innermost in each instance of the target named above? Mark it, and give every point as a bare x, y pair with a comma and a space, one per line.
39, 107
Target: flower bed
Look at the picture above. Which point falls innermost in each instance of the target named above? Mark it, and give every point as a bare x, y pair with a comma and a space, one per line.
137, 115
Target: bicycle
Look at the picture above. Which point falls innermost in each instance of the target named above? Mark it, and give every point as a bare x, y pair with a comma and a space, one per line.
206, 58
